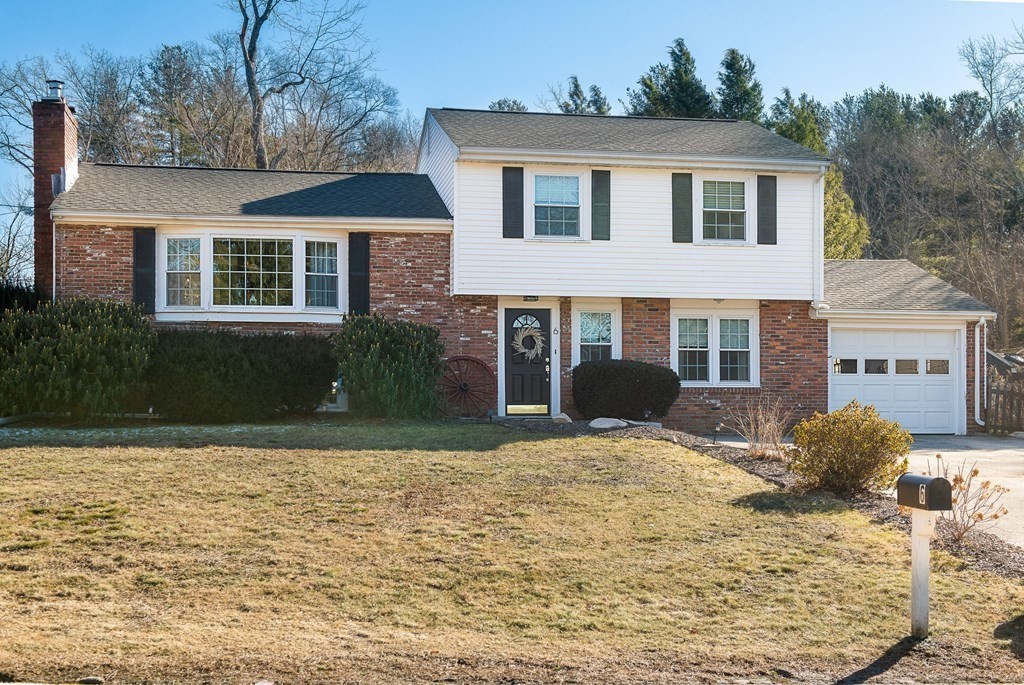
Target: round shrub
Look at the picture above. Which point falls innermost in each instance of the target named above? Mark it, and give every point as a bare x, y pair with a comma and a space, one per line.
81, 357
219, 376
623, 389
849, 450
390, 369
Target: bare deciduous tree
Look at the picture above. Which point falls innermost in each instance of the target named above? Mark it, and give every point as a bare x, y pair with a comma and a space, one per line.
16, 232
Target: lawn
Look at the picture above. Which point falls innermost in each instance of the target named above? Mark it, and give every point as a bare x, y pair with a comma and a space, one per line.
425, 552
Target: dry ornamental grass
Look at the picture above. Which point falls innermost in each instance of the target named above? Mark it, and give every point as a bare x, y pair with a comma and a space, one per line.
420, 552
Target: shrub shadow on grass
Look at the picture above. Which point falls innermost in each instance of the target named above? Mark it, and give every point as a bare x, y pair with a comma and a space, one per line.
1012, 630
357, 435
792, 503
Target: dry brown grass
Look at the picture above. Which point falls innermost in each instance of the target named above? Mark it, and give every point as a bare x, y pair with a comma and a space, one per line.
373, 553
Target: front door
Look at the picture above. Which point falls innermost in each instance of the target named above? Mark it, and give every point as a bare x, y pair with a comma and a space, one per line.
527, 362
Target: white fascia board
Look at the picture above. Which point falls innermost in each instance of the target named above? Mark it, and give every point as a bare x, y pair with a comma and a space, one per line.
593, 157
901, 314
343, 223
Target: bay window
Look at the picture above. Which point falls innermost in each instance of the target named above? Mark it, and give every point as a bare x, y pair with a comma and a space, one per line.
260, 274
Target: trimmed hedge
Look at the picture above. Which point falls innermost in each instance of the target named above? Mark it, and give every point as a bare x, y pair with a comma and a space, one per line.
390, 369
77, 356
218, 376
623, 389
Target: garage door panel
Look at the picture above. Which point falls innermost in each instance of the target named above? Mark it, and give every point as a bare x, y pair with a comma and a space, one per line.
921, 402
906, 393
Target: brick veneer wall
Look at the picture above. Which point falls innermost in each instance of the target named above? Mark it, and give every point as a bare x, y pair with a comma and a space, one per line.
566, 342
793, 361
94, 261
971, 424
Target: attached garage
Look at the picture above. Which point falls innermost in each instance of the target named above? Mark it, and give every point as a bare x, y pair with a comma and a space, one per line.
911, 375
903, 340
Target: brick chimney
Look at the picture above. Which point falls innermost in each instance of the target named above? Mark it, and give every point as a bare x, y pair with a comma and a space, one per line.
55, 160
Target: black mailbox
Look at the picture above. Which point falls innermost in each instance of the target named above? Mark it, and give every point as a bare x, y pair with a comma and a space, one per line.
932, 493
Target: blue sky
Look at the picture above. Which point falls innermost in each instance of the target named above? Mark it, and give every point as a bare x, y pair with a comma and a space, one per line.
462, 53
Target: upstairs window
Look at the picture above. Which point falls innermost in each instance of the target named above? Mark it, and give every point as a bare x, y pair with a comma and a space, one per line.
556, 206
725, 210
252, 272
321, 274
184, 279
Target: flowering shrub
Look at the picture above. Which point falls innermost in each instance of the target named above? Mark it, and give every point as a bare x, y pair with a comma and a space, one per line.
849, 450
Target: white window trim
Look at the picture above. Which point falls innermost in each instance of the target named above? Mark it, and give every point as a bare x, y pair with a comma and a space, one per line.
749, 182
714, 339
530, 194
613, 307
297, 311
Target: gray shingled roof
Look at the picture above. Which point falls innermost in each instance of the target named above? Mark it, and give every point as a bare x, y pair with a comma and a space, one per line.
876, 284
614, 134
148, 190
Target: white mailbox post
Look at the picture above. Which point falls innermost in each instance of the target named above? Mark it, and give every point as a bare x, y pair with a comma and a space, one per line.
925, 495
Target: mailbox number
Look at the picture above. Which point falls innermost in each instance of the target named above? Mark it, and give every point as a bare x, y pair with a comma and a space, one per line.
921, 498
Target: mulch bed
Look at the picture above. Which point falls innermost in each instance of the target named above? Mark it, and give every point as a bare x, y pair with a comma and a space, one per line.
983, 551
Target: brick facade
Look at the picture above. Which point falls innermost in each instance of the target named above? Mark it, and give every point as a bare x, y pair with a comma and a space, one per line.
94, 261
972, 425
55, 151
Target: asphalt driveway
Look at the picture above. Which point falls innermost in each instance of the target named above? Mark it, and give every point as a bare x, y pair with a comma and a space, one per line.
999, 459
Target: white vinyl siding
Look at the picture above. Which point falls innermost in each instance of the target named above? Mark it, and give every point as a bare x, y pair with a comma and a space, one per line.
640, 260
437, 160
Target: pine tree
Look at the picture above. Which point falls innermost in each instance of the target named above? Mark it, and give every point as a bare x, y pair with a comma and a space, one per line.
507, 105
578, 102
673, 89
803, 120
739, 91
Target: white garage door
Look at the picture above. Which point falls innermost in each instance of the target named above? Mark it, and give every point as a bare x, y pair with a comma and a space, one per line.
911, 376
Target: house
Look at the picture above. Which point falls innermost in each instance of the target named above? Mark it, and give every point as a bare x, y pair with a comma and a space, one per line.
534, 242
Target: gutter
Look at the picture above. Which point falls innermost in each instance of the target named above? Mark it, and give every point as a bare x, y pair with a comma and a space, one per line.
977, 373
602, 157
345, 223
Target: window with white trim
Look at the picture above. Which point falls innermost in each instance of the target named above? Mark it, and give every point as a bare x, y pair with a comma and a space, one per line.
184, 275
595, 336
252, 272
724, 215
694, 349
321, 274
556, 205
716, 349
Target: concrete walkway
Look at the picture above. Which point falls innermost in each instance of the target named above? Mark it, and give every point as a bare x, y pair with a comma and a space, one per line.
999, 459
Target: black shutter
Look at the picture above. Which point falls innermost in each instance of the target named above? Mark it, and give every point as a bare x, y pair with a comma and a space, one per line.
601, 205
767, 214
359, 273
512, 202
682, 208
144, 269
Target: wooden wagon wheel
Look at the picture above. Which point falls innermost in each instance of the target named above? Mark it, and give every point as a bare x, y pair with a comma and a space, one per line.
468, 387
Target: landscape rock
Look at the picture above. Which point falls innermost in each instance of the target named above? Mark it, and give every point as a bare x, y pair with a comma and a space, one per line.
561, 418
90, 680
649, 424
608, 423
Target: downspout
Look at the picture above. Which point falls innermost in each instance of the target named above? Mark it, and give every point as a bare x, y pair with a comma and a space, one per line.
978, 380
